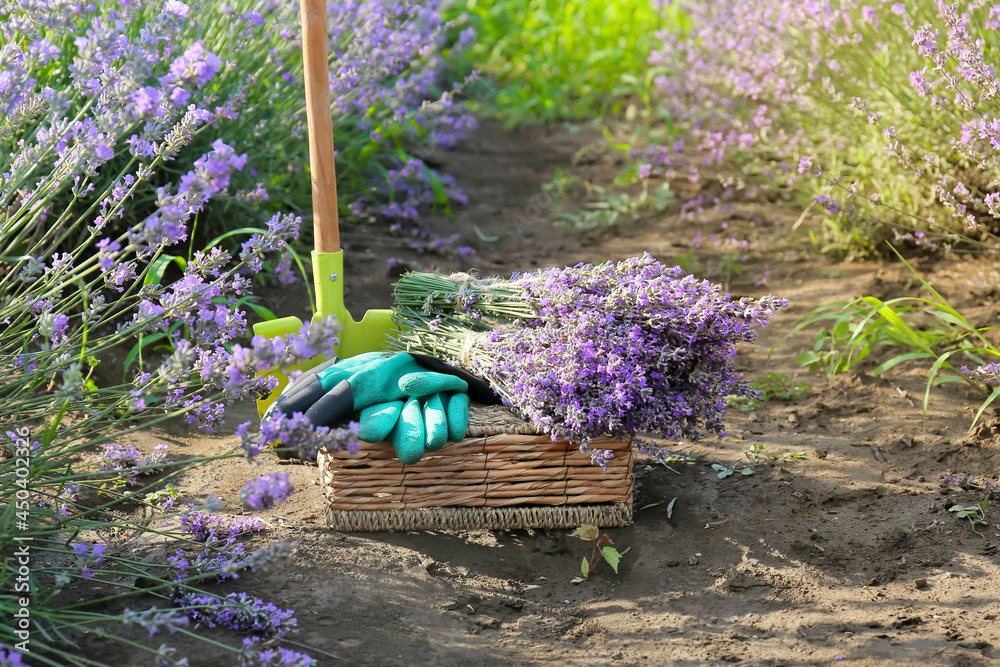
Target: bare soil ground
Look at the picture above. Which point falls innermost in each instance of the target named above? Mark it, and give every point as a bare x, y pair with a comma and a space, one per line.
848, 554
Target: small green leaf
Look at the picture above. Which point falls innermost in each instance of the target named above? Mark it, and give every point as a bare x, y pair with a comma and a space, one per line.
159, 266
724, 472
585, 567
808, 357
646, 507
882, 368
992, 397
261, 310
749, 470
440, 196
586, 532
670, 508
612, 556
484, 237
145, 340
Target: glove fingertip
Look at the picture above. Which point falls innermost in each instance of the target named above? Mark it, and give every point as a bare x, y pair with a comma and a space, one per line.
458, 417
377, 421
436, 423
408, 436
424, 383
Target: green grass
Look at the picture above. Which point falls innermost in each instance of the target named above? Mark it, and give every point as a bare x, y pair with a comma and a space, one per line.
928, 330
562, 59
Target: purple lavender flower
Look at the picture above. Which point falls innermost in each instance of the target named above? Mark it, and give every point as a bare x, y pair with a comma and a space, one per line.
266, 491
254, 654
988, 373
156, 620
195, 65
299, 435
205, 527
828, 204
11, 658
88, 555
241, 612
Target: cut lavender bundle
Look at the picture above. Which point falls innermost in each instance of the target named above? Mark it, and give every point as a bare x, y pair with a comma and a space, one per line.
627, 348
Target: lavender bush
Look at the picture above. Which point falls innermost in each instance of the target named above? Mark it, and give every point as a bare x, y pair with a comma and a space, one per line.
627, 349
121, 124
93, 94
62, 313
880, 115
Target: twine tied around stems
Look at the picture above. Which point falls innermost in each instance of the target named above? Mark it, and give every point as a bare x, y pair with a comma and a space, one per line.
475, 281
471, 340
466, 282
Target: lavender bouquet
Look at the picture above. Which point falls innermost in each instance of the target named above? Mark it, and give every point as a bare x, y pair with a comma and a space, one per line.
629, 348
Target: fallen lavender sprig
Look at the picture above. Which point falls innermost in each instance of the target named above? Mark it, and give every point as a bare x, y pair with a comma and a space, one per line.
205, 527
155, 619
627, 348
239, 611
967, 481
117, 458
987, 373
256, 654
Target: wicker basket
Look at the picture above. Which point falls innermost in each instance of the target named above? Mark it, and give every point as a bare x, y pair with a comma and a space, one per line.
503, 477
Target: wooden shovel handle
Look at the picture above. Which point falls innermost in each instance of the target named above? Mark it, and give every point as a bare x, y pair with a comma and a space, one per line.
326, 224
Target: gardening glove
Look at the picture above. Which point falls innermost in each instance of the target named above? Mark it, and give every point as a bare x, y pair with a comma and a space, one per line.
309, 387
418, 424
315, 383
388, 378
445, 418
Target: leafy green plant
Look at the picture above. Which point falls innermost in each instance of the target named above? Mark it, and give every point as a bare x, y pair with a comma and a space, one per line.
562, 59
755, 458
774, 385
976, 514
745, 469
927, 329
611, 208
755, 453
555, 191
602, 548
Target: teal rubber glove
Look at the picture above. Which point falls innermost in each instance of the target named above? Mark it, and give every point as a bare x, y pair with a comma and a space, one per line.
428, 375
417, 425
312, 385
359, 382
408, 435
377, 421
457, 411
435, 422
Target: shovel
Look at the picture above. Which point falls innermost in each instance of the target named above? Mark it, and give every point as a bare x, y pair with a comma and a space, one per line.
370, 333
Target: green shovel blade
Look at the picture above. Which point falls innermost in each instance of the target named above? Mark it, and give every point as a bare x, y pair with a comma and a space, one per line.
368, 335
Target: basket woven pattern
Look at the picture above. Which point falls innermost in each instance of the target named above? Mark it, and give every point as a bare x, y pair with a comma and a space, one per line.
498, 478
